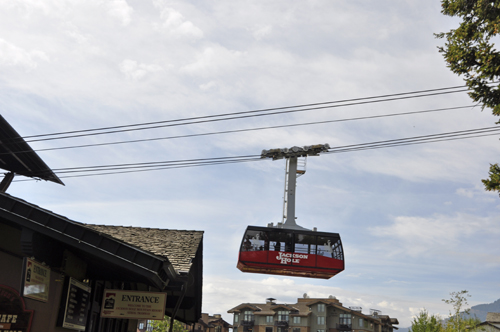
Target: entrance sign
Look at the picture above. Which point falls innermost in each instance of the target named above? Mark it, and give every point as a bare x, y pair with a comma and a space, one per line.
133, 304
13, 313
36, 280
76, 305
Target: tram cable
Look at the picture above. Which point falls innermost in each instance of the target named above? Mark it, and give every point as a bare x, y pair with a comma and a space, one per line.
242, 115
173, 164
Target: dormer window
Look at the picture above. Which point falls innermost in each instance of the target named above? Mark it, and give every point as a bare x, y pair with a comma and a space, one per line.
321, 307
248, 315
283, 315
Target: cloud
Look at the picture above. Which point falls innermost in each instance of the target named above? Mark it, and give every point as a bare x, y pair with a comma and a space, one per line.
121, 10
416, 236
262, 31
175, 23
11, 55
135, 71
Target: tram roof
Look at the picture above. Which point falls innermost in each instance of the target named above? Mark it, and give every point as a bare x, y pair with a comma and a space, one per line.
289, 230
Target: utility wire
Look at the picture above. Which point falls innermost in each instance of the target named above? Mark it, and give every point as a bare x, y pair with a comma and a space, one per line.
242, 115
249, 129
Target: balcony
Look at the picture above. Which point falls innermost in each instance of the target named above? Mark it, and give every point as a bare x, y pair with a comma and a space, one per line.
248, 323
344, 327
281, 323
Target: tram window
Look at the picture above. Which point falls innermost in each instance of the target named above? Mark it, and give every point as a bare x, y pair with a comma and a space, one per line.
305, 244
280, 241
329, 247
254, 240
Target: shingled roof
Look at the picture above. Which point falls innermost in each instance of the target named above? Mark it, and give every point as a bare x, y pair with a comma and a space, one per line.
178, 246
493, 317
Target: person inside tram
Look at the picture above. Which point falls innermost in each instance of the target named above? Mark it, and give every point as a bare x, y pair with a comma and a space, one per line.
328, 248
277, 246
247, 245
256, 242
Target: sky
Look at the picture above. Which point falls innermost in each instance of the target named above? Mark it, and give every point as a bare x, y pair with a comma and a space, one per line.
415, 221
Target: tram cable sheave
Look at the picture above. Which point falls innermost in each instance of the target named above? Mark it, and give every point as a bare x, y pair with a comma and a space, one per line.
287, 248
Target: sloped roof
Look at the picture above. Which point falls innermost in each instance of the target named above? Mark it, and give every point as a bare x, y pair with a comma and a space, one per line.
18, 157
243, 306
493, 317
178, 246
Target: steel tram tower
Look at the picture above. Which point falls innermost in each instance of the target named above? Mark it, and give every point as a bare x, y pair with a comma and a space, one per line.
294, 169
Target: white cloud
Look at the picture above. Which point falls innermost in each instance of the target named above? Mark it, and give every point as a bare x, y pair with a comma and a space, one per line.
134, 70
262, 31
175, 23
214, 61
121, 10
416, 236
11, 55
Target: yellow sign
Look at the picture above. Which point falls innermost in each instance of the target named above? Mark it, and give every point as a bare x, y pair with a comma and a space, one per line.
36, 280
133, 304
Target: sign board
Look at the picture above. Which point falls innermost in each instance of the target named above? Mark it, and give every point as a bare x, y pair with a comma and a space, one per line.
36, 280
133, 304
13, 313
76, 305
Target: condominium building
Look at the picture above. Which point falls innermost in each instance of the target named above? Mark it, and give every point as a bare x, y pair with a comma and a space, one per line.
308, 315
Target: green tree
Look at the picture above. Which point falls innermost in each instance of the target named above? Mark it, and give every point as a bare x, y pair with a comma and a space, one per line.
459, 319
425, 322
469, 52
164, 325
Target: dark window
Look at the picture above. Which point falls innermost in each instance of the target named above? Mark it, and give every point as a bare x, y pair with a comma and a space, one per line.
280, 241
330, 247
254, 240
269, 329
305, 244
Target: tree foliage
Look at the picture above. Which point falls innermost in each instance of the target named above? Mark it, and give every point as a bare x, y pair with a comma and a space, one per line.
469, 49
458, 320
164, 325
425, 322
470, 52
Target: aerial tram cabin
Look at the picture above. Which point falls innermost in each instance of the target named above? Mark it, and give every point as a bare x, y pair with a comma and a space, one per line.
287, 248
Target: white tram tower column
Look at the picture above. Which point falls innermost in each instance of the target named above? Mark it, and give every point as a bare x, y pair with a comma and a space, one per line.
292, 154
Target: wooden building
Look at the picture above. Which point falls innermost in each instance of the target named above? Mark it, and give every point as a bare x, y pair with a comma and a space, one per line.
58, 274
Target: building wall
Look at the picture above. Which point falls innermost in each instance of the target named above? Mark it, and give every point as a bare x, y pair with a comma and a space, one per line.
45, 314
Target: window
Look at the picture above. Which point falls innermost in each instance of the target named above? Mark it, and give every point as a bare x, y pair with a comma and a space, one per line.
321, 320
345, 319
360, 323
321, 307
296, 329
283, 315
247, 315
218, 328
269, 329
141, 326
320, 330
269, 319
296, 320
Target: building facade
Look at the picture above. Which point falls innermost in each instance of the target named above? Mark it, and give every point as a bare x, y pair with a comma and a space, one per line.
308, 315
